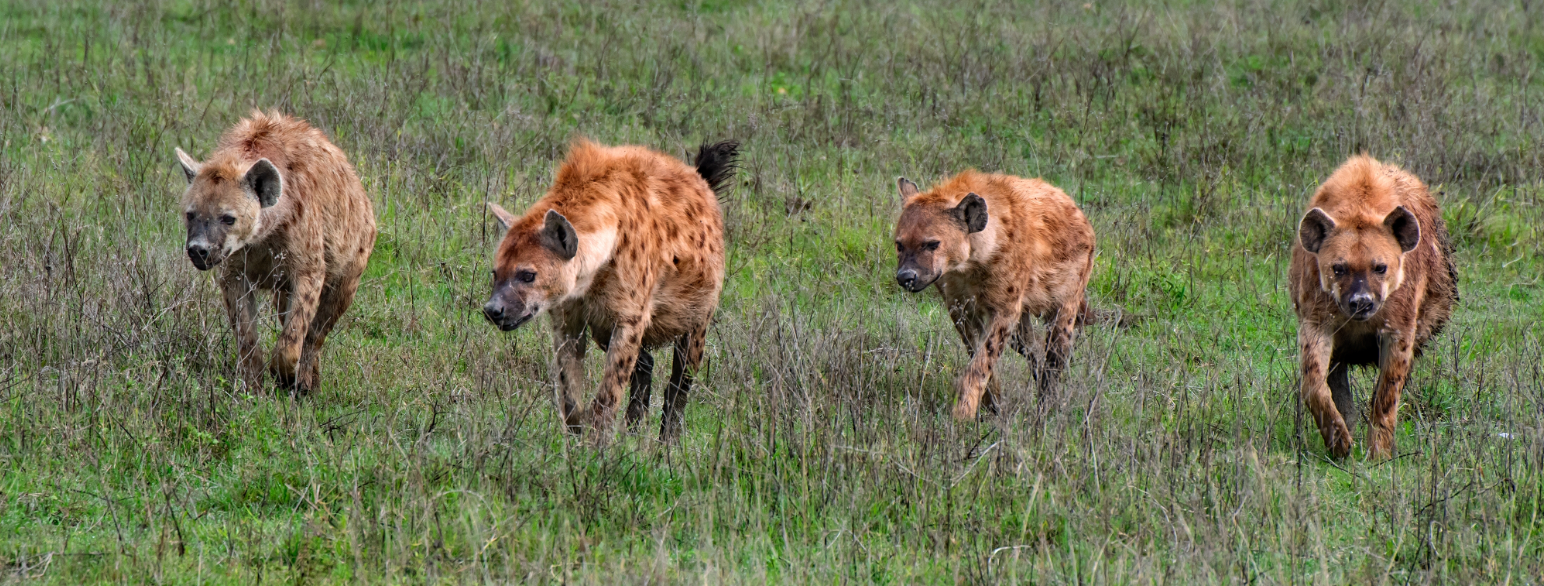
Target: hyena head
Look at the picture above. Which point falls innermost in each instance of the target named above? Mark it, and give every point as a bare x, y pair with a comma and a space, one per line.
1360, 261
531, 269
931, 238
224, 205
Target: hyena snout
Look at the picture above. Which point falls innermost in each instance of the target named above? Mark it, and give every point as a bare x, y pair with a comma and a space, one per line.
907, 279
507, 315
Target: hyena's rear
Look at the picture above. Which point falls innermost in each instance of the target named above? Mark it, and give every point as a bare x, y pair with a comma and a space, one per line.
1372, 280
627, 247
280, 206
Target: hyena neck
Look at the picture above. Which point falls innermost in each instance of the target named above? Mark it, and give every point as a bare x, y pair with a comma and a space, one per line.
596, 250
984, 244
273, 221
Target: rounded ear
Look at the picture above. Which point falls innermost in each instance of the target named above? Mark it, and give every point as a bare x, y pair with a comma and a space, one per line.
264, 182
907, 188
190, 166
1314, 228
1406, 229
504, 218
972, 211
558, 235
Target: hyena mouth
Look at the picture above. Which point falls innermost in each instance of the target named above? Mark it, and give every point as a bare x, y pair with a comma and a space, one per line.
508, 326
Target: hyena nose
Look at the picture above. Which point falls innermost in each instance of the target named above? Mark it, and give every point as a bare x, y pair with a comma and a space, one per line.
906, 278
198, 253
494, 311
1361, 305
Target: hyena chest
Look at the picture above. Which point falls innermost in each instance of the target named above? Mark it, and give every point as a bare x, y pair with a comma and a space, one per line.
262, 265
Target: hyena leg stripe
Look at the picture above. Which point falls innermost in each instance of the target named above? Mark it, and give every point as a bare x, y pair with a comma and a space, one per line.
642, 385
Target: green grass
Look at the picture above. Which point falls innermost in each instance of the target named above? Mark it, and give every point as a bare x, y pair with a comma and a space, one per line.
818, 445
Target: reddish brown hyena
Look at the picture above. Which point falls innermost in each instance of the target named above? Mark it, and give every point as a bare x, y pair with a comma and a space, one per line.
1001, 249
627, 247
280, 206
1372, 280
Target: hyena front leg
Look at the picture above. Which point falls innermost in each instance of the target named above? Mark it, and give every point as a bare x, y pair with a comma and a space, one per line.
570, 341
968, 323
1061, 332
642, 386
1394, 360
335, 300
684, 361
621, 357
1315, 349
241, 308
983, 360
305, 295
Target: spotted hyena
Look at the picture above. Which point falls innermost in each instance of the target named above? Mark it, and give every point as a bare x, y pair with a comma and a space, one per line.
1372, 280
627, 247
280, 206
1001, 249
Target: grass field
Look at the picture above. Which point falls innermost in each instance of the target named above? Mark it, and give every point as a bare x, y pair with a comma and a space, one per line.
818, 445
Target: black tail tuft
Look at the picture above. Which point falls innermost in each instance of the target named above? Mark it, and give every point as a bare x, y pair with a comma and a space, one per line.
716, 163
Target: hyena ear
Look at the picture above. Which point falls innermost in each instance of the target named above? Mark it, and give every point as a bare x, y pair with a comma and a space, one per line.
972, 211
504, 218
264, 181
1314, 228
190, 165
1405, 227
907, 188
558, 235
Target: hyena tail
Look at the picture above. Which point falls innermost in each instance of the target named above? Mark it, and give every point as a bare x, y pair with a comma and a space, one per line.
716, 163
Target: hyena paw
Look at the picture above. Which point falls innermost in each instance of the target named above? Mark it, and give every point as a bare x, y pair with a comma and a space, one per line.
1337, 439
964, 411
1381, 443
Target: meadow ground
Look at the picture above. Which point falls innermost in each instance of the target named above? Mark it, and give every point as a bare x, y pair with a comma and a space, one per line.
818, 445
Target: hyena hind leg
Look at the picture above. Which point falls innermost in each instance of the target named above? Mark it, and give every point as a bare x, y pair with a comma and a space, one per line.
641, 387
684, 361
1340, 390
1059, 336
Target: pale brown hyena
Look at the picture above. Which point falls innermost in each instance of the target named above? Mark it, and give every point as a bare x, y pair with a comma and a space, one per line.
1372, 280
1001, 249
281, 207
627, 247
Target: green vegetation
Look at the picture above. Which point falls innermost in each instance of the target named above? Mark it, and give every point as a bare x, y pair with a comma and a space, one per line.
818, 446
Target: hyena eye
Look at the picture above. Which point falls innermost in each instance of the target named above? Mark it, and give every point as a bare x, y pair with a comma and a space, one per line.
930, 245
1380, 269
525, 276
190, 216
898, 247
1340, 270
228, 220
